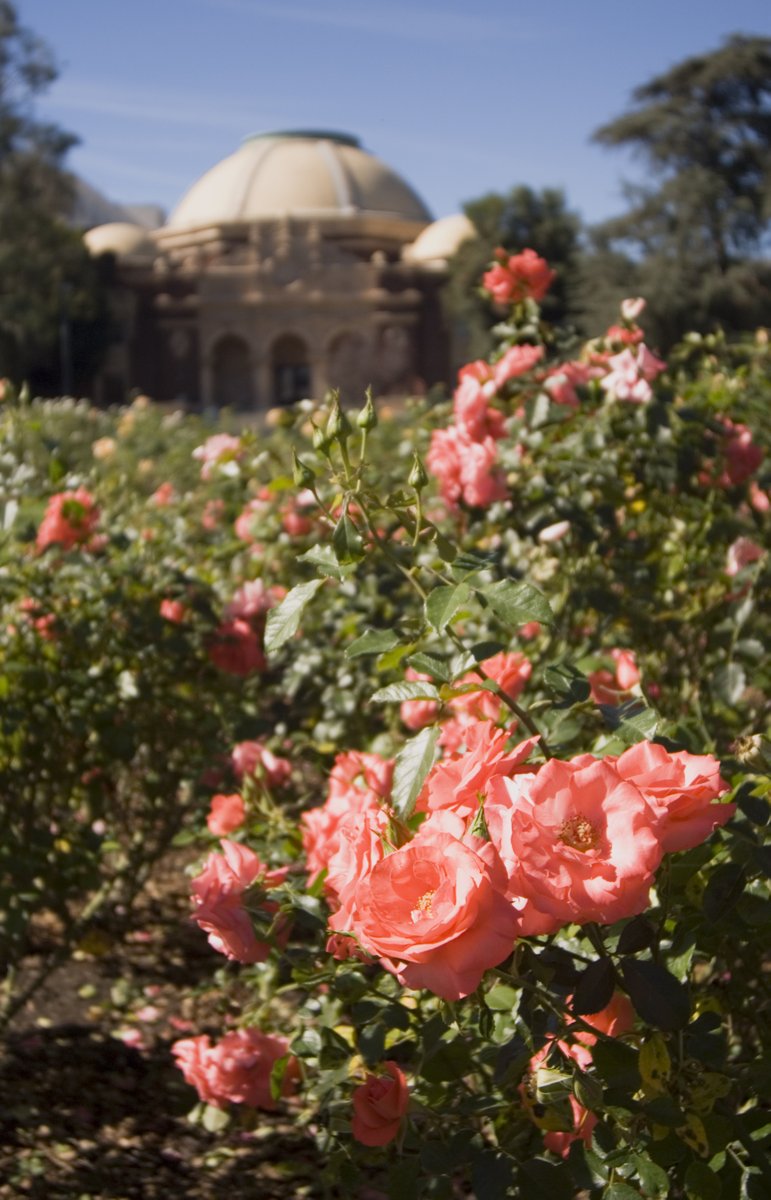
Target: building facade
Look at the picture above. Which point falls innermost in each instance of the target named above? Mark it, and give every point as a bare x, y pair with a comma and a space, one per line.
298, 263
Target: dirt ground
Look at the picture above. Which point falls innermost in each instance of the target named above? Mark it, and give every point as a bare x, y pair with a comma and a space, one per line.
91, 1104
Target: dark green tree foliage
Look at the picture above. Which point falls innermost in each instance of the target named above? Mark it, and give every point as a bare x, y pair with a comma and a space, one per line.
521, 218
44, 266
694, 237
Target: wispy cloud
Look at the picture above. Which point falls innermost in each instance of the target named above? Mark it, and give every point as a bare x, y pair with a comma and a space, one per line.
386, 20
170, 107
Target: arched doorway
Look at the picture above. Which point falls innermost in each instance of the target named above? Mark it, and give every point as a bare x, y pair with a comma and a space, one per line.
232, 385
290, 363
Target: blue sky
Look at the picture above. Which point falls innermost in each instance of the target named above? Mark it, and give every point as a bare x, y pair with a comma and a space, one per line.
462, 98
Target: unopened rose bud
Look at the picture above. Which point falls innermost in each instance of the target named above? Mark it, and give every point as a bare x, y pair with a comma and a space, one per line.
367, 418
417, 478
303, 475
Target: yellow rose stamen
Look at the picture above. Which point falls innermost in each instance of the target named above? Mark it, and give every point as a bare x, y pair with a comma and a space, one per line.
579, 833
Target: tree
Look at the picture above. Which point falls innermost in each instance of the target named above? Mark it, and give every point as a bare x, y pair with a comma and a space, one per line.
694, 237
515, 221
47, 276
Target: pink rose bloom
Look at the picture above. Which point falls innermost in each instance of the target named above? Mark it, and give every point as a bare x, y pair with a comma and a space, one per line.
69, 520
236, 649
247, 523
416, 714
759, 500
561, 382
631, 374
741, 553
679, 788
623, 334
518, 277
434, 916
217, 895
584, 1121
614, 687
473, 415
252, 758
379, 1106
163, 496
358, 784
212, 514
226, 814
742, 455
517, 360
632, 308
297, 519
360, 843
237, 1069
530, 630
173, 610
466, 469
577, 840
220, 450
509, 669
458, 784
253, 599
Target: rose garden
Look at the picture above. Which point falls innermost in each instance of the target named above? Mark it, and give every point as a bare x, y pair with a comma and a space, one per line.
448, 728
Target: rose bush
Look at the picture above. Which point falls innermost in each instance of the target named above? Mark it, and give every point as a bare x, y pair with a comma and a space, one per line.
494, 785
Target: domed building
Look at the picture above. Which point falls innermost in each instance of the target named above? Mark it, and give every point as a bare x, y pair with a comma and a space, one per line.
298, 263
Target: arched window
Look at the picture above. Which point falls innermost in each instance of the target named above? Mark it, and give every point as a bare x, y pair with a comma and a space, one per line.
232, 373
291, 370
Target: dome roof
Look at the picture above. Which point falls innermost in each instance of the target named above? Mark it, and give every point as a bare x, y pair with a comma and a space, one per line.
120, 238
308, 173
440, 241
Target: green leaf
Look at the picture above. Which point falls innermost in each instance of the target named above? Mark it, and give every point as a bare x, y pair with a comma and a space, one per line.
595, 988
729, 682
437, 668
639, 934
538, 1179
517, 603
566, 683
658, 997
413, 762
325, 559
654, 1179
616, 1064
620, 1191
701, 1183
444, 602
346, 541
723, 890
410, 689
284, 620
372, 641
492, 1174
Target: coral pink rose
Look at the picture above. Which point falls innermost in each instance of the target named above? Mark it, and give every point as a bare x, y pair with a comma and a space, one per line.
509, 669
236, 649
433, 914
742, 454
172, 610
358, 783
517, 360
518, 277
741, 553
163, 496
459, 783
584, 1121
70, 519
237, 1069
252, 758
613, 687
680, 789
226, 814
219, 452
379, 1106
561, 382
467, 470
217, 895
577, 840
